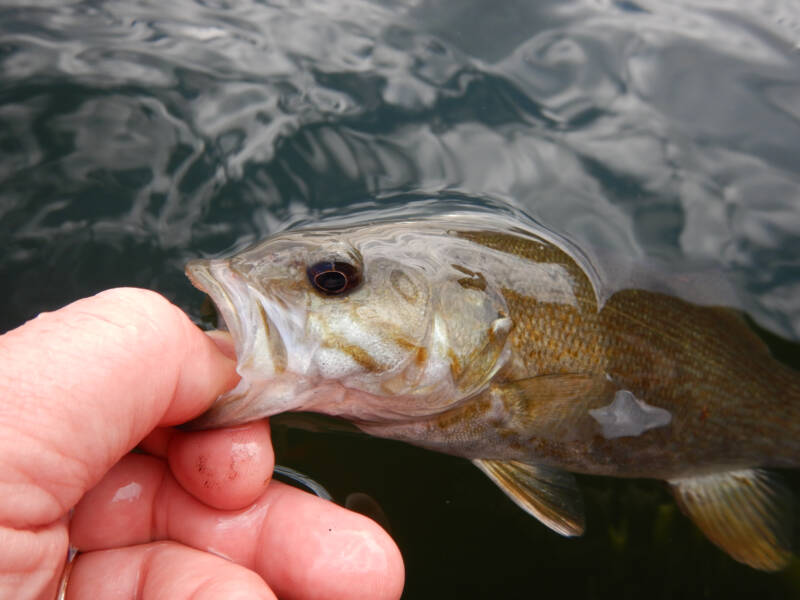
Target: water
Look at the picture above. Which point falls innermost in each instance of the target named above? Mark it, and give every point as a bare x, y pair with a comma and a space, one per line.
137, 135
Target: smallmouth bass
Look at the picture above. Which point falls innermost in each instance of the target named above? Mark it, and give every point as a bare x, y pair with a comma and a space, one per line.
477, 336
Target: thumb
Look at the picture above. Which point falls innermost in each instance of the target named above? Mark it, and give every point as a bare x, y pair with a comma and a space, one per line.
81, 386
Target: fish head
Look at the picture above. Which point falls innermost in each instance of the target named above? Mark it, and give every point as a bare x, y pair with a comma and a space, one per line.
369, 323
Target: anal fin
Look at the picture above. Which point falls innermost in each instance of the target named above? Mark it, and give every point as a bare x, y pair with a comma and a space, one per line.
550, 495
748, 513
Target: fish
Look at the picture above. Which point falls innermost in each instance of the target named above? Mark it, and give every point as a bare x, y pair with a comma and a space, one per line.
486, 337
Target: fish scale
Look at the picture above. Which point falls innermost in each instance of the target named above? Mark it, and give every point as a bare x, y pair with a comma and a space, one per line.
496, 346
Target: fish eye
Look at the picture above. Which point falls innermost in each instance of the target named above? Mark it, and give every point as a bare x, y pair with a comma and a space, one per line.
334, 277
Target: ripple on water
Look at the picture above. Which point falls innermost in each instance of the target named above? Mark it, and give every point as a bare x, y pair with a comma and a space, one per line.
136, 134
650, 129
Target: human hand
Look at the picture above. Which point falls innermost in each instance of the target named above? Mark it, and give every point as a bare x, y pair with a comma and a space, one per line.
79, 389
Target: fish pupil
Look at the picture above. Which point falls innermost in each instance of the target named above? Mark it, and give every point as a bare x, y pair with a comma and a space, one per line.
331, 281
333, 277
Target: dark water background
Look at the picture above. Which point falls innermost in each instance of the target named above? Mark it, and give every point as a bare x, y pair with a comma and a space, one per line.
137, 135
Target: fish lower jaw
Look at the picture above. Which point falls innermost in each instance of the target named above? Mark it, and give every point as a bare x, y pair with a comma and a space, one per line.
291, 392
253, 399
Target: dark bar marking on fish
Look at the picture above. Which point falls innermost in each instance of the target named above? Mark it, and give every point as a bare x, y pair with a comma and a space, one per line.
361, 357
475, 280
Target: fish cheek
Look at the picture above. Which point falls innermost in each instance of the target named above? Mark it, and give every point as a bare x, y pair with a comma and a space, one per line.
397, 310
404, 286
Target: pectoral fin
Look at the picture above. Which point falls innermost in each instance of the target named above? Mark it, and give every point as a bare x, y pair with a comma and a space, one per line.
550, 495
747, 513
556, 407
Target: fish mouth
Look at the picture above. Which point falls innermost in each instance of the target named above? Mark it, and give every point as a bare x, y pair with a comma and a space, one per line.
215, 278
260, 351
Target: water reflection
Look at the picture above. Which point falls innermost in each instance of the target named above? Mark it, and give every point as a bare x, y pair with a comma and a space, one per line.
651, 129
134, 135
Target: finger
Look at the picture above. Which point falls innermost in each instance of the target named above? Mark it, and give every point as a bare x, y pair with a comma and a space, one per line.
326, 552
163, 570
82, 385
30, 561
224, 342
224, 468
303, 546
157, 441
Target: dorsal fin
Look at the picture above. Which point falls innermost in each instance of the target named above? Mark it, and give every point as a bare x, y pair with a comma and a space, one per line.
747, 513
550, 495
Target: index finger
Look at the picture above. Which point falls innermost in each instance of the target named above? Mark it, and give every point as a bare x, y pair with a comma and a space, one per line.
81, 386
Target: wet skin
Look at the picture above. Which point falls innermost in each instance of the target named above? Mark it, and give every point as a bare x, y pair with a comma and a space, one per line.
81, 388
472, 335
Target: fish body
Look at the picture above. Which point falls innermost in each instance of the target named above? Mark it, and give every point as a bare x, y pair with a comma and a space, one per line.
485, 338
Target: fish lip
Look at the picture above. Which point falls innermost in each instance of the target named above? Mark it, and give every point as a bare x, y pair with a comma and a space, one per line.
215, 278
242, 307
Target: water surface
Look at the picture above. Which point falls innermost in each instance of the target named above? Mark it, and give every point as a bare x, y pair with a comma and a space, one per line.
137, 135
